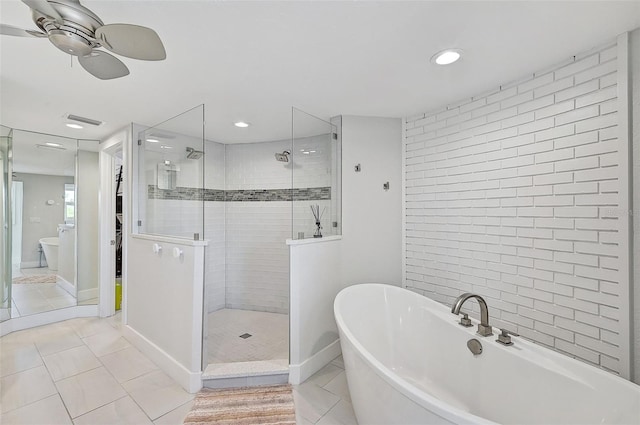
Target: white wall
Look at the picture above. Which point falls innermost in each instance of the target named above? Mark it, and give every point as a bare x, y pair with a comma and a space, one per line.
67, 254
164, 304
87, 226
634, 50
372, 217
316, 279
515, 195
39, 219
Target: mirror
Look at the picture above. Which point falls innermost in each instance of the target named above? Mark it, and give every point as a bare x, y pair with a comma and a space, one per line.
43, 242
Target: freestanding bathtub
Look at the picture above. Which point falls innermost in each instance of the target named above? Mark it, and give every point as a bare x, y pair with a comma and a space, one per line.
407, 362
50, 248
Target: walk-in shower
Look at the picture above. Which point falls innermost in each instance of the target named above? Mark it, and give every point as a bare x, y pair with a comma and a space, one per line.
245, 206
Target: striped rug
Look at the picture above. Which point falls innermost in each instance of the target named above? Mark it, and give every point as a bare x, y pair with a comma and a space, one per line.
238, 406
36, 278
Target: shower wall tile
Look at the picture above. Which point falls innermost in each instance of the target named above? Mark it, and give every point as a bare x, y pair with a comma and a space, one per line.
215, 256
214, 227
257, 257
181, 218
514, 196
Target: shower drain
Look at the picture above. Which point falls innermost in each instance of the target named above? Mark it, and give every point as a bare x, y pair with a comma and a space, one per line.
245, 335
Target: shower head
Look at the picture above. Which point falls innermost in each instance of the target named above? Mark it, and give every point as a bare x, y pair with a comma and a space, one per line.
283, 157
194, 154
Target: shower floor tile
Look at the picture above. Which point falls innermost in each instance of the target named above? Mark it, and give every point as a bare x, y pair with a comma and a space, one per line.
269, 338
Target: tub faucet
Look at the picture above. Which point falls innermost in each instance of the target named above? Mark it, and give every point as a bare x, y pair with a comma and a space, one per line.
484, 328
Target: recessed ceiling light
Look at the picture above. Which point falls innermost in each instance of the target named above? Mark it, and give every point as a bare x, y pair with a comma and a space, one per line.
241, 124
55, 145
446, 57
71, 125
312, 151
166, 147
153, 141
306, 152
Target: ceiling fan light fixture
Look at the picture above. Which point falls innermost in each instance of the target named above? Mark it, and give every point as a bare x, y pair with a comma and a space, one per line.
446, 57
70, 43
74, 126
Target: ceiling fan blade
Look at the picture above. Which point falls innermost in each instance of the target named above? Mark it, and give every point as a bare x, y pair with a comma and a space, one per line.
102, 65
45, 8
132, 41
19, 32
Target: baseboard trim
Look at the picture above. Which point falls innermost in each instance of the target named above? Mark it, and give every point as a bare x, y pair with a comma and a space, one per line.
34, 264
190, 381
87, 294
46, 318
67, 286
298, 373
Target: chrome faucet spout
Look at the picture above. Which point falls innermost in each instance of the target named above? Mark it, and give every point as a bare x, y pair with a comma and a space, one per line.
484, 328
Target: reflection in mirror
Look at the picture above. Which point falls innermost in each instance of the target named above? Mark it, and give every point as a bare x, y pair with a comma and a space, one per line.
167, 175
42, 222
5, 235
69, 203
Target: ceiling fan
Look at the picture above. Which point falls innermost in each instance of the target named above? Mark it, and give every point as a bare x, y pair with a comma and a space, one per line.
76, 30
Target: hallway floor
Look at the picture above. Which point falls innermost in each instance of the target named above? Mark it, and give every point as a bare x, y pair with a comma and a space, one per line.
82, 371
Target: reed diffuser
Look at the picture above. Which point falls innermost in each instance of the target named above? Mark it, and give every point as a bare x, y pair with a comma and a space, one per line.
315, 209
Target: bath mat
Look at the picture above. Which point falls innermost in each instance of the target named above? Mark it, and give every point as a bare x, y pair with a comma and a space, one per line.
247, 405
36, 278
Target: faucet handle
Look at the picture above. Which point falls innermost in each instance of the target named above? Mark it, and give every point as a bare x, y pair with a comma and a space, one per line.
505, 337
465, 321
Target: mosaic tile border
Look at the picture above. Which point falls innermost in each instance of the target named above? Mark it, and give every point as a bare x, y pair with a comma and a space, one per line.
250, 195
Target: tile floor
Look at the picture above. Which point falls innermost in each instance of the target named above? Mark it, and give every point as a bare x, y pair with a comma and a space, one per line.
269, 336
31, 298
82, 371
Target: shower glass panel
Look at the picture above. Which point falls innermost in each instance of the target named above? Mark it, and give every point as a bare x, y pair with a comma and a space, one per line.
171, 177
316, 177
5, 243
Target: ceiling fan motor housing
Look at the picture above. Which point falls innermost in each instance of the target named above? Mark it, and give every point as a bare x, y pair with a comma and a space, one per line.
76, 36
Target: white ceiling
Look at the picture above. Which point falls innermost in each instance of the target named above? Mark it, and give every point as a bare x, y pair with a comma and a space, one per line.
252, 61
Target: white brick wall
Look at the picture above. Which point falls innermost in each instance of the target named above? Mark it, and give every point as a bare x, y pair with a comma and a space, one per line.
514, 196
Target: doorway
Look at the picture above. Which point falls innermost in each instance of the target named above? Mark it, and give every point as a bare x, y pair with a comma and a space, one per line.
113, 185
